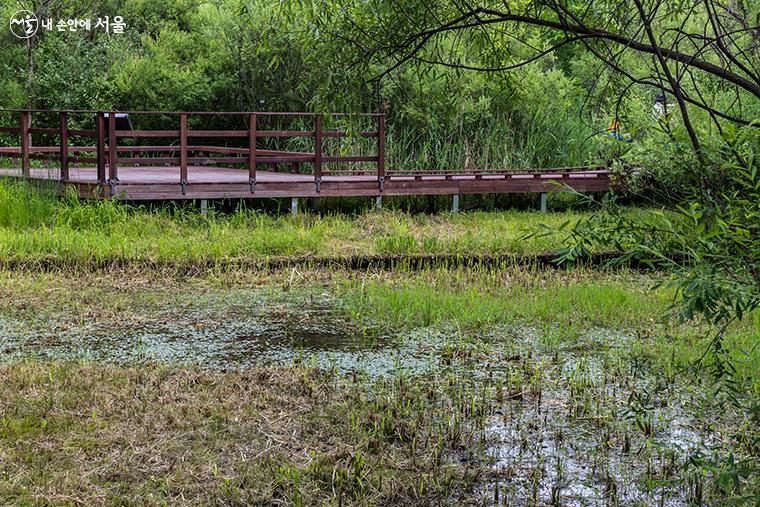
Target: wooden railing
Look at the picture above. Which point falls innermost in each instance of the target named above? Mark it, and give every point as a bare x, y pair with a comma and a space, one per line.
492, 172
107, 136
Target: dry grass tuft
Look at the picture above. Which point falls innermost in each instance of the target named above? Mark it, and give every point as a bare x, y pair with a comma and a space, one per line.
102, 435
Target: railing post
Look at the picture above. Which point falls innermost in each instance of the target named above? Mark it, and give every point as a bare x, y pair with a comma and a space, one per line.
64, 139
113, 171
318, 150
381, 152
183, 152
25, 167
252, 152
101, 146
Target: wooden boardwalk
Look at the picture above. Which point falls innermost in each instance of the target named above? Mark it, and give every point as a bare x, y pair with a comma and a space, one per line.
133, 164
157, 183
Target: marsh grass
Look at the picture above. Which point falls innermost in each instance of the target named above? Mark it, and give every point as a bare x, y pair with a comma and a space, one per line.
527, 356
100, 435
512, 142
563, 304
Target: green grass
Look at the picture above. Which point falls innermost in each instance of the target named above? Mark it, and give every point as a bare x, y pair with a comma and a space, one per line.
563, 304
504, 295
35, 226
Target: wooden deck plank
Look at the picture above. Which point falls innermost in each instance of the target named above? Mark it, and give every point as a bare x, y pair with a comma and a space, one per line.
207, 182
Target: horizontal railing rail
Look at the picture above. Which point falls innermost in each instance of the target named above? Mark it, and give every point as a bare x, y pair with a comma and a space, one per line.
313, 146
192, 113
109, 131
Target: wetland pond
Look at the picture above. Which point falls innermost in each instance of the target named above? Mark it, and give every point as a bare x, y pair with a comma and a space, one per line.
565, 422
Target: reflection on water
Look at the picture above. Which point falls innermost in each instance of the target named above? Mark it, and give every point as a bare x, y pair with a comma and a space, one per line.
308, 340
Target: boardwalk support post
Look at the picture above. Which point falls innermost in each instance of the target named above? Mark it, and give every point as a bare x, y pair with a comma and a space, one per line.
204, 207
455, 203
25, 138
542, 197
294, 205
183, 152
64, 138
252, 152
379, 202
318, 151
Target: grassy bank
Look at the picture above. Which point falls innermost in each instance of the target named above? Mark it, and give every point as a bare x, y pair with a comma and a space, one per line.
35, 226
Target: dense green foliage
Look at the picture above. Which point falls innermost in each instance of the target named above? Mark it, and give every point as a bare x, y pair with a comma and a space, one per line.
259, 55
711, 242
444, 110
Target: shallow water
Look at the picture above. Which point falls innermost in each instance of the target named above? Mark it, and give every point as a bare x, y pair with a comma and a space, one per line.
564, 433
544, 453
236, 330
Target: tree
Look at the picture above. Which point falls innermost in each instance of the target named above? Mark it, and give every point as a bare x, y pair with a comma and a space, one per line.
687, 49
